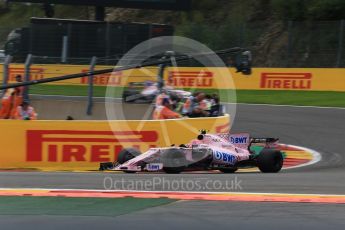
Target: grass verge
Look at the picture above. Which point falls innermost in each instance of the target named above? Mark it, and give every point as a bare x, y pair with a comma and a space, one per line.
306, 98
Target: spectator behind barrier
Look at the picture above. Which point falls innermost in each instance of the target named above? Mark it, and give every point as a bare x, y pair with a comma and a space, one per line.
199, 105
207, 103
18, 96
25, 112
6, 104
188, 103
216, 109
196, 108
177, 104
164, 111
160, 97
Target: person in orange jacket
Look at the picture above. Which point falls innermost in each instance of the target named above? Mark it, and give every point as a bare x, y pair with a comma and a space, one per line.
164, 111
6, 104
25, 112
18, 96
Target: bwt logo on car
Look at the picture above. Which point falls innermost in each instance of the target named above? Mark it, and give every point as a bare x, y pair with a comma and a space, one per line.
224, 157
238, 140
190, 78
84, 146
286, 80
154, 167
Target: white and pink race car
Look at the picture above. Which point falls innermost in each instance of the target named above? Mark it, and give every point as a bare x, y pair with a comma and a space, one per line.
146, 92
223, 152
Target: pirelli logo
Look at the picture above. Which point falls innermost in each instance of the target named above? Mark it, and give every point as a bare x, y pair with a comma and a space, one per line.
35, 73
84, 146
113, 79
190, 78
300, 81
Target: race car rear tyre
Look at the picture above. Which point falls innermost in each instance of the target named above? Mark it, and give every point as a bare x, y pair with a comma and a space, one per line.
270, 161
127, 154
228, 170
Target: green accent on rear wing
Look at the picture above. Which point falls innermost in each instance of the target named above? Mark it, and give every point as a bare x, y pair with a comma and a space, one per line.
257, 149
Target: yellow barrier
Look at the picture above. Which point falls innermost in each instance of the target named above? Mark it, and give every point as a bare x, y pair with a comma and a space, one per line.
48, 71
81, 145
206, 78
313, 79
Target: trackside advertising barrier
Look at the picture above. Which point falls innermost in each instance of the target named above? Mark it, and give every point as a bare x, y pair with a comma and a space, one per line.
114, 79
81, 145
203, 78
313, 79
310, 79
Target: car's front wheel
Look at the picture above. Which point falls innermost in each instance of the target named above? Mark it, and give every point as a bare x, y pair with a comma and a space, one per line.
174, 161
127, 154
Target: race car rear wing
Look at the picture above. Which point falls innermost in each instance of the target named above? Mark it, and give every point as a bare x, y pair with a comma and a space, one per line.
267, 140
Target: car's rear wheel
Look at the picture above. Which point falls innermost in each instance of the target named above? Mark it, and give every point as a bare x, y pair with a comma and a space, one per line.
270, 161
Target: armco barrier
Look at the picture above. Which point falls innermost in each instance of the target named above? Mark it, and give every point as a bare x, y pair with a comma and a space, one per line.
313, 79
81, 145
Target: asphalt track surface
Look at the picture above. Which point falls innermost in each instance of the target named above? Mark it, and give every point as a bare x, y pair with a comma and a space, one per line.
317, 128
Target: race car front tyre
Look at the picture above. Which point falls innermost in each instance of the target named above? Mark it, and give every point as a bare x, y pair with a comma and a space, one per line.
174, 161
228, 170
270, 161
106, 166
127, 154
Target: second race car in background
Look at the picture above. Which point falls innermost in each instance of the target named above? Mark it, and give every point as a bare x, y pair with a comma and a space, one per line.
146, 92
